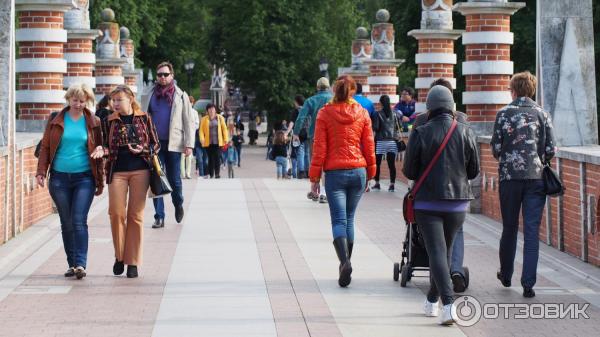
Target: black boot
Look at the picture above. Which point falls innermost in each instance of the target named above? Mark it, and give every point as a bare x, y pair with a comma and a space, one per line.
350, 246
341, 248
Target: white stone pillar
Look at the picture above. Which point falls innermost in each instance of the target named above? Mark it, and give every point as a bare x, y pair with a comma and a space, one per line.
128, 54
361, 50
108, 70
78, 50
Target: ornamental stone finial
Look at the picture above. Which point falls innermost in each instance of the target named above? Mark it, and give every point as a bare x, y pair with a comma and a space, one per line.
437, 14
362, 33
108, 15
382, 15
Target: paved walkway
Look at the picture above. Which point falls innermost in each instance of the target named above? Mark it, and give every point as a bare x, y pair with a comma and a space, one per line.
254, 257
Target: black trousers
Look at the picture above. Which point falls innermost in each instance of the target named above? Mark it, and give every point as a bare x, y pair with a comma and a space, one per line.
391, 161
438, 230
214, 160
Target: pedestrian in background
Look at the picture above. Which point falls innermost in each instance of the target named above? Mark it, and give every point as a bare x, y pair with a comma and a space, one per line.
385, 129
213, 136
308, 114
186, 161
280, 154
344, 150
129, 143
301, 153
442, 201
405, 109
231, 159
364, 101
173, 116
522, 142
71, 150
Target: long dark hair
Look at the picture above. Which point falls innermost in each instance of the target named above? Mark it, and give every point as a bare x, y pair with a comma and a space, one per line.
385, 105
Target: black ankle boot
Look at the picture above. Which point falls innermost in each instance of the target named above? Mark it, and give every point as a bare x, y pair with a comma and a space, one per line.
118, 267
341, 248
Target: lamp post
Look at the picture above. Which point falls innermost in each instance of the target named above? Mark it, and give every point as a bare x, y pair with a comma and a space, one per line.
323, 66
189, 68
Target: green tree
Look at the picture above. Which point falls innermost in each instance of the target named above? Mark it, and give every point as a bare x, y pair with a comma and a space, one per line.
272, 48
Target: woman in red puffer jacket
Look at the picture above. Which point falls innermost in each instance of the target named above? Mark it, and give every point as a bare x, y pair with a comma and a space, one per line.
343, 147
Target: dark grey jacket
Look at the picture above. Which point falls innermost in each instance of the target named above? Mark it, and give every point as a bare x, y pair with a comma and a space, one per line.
459, 162
522, 140
384, 127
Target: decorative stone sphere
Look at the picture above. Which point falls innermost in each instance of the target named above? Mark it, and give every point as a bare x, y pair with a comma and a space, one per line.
107, 15
124, 33
362, 33
383, 15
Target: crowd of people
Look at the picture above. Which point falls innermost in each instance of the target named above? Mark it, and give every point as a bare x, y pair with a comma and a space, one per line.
335, 138
347, 139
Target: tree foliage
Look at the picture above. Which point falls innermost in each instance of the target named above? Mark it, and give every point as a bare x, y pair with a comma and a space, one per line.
272, 47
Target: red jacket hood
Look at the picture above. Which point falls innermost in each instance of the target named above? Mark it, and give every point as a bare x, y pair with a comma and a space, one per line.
344, 113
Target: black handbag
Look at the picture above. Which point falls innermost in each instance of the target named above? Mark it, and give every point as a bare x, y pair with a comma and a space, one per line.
159, 184
552, 183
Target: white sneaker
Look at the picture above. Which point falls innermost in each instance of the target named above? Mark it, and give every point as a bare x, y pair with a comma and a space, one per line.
431, 309
446, 317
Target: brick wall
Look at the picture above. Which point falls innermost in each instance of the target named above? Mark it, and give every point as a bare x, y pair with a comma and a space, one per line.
36, 202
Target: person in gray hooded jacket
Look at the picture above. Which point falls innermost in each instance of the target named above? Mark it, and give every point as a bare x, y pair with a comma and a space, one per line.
442, 202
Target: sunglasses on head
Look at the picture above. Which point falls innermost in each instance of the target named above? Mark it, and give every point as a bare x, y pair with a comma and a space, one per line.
163, 74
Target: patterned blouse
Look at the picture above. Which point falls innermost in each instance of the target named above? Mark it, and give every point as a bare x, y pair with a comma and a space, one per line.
522, 140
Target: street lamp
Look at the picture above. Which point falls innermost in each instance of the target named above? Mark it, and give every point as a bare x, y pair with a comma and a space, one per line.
189, 68
323, 66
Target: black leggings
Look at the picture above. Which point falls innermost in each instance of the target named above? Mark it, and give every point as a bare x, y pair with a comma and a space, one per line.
391, 160
214, 160
438, 230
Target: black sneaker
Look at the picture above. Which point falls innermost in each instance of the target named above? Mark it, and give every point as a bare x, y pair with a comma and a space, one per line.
459, 283
178, 214
528, 292
80, 272
132, 271
70, 272
158, 223
376, 187
391, 188
118, 267
504, 281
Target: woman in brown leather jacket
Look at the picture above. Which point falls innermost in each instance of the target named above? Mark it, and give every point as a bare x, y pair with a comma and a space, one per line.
71, 151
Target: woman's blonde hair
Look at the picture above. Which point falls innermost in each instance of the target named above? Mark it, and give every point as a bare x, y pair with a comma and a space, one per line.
80, 90
125, 89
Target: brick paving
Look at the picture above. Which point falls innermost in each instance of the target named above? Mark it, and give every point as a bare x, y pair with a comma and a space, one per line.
46, 304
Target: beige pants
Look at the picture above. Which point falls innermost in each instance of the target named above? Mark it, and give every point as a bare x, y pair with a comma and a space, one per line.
127, 195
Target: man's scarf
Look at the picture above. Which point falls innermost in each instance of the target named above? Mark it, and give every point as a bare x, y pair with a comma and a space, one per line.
165, 92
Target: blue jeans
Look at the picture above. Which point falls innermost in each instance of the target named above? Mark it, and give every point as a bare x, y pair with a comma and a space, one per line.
344, 189
201, 160
307, 144
73, 194
282, 164
294, 167
530, 195
238, 149
458, 253
301, 158
172, 164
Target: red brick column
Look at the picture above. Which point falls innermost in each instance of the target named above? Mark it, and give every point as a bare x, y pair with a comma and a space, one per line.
436, 59
383, 80
40, 65
488, 67
128, 54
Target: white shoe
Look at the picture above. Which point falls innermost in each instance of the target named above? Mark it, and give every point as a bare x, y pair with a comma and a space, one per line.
431, 309
446, 317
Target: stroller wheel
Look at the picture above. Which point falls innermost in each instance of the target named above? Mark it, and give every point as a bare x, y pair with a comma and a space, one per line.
396, 271
405, 275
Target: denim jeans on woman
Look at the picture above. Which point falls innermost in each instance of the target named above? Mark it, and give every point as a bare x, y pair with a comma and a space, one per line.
530, 195
73, 194
344, 189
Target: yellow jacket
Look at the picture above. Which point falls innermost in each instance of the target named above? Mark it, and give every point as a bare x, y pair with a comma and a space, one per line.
204, 131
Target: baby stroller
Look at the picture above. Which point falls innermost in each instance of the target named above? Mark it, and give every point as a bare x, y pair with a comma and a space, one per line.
414, 257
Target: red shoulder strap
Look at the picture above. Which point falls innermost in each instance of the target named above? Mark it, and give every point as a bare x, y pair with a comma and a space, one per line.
435, 158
